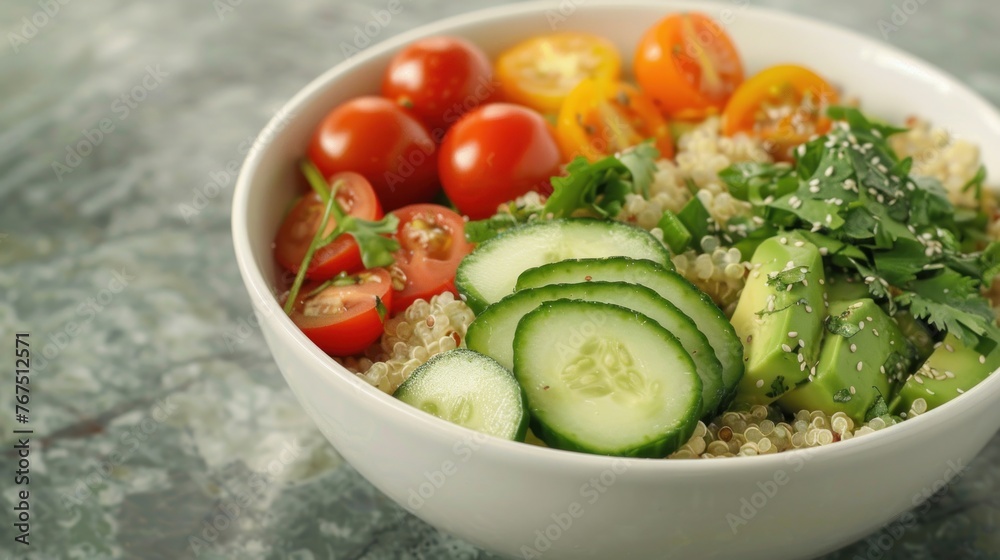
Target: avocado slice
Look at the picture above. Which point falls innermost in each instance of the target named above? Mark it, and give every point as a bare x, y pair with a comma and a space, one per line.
779, 317
863, 356
840, 287
951, 370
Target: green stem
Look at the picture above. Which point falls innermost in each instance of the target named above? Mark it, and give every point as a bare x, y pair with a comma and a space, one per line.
316, 181
300, 276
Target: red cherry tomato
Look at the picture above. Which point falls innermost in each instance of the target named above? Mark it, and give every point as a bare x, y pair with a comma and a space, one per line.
439, 79
384, 143
357, 198
346, 315
431, 244
494, 154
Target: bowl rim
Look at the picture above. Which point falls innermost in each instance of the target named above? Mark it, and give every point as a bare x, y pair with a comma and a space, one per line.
266, 305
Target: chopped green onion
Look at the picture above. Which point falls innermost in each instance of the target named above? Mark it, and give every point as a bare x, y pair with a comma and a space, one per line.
675, 235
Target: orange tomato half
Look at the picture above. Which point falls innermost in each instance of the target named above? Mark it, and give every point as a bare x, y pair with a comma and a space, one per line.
600, 118
689, 65
540, 72
783, 106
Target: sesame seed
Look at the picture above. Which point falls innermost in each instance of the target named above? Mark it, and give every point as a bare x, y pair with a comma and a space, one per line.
869, 319
821, 282
854, 348
960, 391
949, 374
829, 171
802, 343
937, 345
814, 189
829, 218
982, 359
800, 243
814, 183
861, 324
809, 309
881, 369
786, 348
860, 365
805, 282
949, 347
793, 334
918, 379
800, 357
760, 383
784, 240
823, 251
853, 390
875, 332
929, 392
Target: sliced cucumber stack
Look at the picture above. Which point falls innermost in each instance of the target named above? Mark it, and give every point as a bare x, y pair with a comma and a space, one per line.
673, 287
471, 390
604, 379
491, 271
492, 333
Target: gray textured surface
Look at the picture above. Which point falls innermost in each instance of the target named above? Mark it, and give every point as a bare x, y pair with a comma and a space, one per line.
113, 476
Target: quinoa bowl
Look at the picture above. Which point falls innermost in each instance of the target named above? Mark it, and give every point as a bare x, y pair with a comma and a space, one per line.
526, 501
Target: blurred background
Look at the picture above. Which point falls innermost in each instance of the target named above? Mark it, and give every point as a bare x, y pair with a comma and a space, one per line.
155, 404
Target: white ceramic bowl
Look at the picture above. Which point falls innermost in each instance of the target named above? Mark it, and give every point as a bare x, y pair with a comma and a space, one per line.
518, 499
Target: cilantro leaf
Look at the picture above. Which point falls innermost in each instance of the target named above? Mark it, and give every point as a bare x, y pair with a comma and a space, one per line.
877, 409
951, 302
601, 187
843, 396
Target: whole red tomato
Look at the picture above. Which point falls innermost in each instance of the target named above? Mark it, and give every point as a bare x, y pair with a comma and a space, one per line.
439, 79
384, 143
494, 154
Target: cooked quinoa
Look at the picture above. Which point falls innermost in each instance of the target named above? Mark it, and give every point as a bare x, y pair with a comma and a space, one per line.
762, 430
411, 338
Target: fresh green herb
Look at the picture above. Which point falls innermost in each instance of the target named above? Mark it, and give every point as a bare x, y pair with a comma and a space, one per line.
843, 396
376, 248
675, 235
840, 326
600, 188
878, 409
381, 309
696, 219
851, 195
782, 280
778, 387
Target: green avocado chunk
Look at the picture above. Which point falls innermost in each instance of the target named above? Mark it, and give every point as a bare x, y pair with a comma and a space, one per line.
951, 370
779, 317
845, 288
863, 356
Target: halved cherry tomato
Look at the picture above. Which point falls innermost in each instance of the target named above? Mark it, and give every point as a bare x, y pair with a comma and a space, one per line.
688, 64
439, 79
783, 105
357, 198
540, 72
431, 244
494, 154
347, 313
384, 143
601, 118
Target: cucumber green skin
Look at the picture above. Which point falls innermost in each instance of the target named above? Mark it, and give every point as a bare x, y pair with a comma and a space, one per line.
465, 282
403, 392
700, 308
483, 338
658, 448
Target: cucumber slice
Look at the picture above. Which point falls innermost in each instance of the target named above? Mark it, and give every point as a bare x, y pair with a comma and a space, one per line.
670, 286
492, 333
490, 272
604, 379
471, 390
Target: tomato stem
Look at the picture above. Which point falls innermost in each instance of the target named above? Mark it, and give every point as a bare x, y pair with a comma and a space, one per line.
315, 244
316, 181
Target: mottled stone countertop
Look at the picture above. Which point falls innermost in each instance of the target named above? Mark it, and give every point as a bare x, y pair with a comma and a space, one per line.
154, 401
